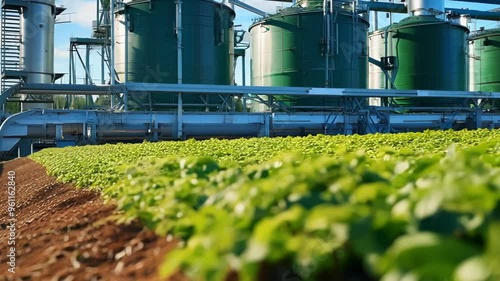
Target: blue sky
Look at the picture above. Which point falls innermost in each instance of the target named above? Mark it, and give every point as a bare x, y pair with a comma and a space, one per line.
83, 12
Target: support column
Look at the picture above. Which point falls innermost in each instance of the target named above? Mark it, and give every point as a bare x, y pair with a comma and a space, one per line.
112, 48
178, 29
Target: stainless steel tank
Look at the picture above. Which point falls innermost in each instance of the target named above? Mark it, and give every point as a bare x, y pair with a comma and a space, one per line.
462, 20
37, 47
379, 47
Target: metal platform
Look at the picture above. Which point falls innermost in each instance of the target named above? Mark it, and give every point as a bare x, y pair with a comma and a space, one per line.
20, 133
23, 130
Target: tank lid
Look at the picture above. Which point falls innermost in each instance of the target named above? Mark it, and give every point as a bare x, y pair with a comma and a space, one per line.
416, 20
422, 20
295, 10
376, 32
120, 4
425, 7
338, 5
462, 20
484, 33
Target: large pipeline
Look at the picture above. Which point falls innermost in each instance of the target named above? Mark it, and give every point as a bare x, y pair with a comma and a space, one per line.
401, 8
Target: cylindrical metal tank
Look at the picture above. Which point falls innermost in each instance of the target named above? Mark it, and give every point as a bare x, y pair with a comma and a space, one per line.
430, 54
379, 47
300, 46
462, 20
484, 57
207, 45
37, 47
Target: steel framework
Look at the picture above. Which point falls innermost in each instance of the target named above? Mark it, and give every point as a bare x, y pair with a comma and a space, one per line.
22, 133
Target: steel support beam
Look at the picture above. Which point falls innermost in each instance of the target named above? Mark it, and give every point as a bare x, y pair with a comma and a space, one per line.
247, 7
82, 126
480, 15
401, 8
496, 2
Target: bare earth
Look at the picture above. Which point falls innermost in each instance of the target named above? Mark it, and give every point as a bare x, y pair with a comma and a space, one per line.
68, 234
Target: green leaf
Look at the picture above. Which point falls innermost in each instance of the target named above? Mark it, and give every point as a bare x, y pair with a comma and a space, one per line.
426, 255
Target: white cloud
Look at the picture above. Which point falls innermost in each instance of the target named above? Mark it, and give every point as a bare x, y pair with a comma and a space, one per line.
60, 53
81, 12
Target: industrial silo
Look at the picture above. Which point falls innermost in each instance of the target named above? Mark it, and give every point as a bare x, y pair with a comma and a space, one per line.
36, 50
379, 48
429, 54
310, 45
207, 47
380, 51
484, 58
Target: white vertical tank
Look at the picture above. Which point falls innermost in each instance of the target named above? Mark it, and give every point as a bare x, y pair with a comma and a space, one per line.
378, 48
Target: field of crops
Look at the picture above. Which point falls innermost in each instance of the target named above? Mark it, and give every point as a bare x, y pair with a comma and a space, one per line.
414, 206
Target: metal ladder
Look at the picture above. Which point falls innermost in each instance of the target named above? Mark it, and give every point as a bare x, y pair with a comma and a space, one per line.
10, 48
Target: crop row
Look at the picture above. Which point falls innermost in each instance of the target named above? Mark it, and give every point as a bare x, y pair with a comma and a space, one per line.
97, 166
416, 206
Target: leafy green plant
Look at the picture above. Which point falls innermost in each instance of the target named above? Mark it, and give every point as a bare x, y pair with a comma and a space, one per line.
416, 206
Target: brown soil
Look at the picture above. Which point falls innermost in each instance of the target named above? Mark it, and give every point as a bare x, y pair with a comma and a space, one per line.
64, 233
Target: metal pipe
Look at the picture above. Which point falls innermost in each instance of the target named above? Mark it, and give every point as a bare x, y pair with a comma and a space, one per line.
243, 66
103, 80
73, 66
179, 65
179, 115
480, 15
386, 38
125, 91
401, 8
97, 18
383, 7
112, 47
70, 63
126, 23
248, 7
112, 55
333, 16
480, 1
88, 79
390, 15
327, 23
337, 43
244, 99
178, 29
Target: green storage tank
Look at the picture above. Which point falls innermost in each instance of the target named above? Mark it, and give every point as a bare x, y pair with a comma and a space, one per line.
207, 47
484, 58
431, 54
290, 49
